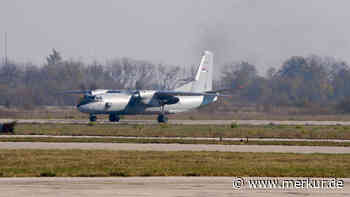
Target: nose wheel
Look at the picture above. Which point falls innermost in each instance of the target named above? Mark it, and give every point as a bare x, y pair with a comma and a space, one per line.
114, 118
162, 118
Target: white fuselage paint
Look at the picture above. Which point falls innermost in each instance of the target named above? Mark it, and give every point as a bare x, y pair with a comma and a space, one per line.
106, 103
186, 103
119, 103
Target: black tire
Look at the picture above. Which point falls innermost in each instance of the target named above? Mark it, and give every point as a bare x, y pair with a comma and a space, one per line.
111, 117
114, 118
93, 118
162, 118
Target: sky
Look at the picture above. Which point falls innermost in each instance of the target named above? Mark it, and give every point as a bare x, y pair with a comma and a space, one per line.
175, 32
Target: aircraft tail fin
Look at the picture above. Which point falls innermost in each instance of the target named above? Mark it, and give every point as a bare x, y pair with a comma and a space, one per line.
203, 80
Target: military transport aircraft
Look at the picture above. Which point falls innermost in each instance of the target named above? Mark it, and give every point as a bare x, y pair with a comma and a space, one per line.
193, 94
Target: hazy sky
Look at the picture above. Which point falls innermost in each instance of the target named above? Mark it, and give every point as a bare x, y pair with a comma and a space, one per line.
264, 32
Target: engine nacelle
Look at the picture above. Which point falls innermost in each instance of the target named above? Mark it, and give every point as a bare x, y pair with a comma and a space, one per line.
98, 91
146, 96
171, 101
167, 99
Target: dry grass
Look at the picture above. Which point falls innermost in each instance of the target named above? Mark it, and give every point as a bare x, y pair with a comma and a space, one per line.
24, 163
239, 131
216, 111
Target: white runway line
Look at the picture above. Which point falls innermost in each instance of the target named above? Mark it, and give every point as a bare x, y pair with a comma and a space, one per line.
176, 147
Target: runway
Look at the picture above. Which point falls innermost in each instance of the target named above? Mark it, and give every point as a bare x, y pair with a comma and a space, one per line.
182, 122
176, 138
175, 147
149, 186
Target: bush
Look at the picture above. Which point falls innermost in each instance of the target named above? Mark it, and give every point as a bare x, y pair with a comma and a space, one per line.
234, 125
47, 174
192, 174
122, 174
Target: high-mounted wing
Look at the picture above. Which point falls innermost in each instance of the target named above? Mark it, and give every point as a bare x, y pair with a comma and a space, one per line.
76, 92
178, 93
94, 92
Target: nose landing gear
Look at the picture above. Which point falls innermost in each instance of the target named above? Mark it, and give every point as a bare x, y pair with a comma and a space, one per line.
162, 118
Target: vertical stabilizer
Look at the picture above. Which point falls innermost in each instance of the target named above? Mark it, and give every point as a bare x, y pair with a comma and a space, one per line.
204, 77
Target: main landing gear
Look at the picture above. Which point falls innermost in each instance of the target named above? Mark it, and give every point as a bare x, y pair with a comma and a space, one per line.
93, 118
162, 118
114, 118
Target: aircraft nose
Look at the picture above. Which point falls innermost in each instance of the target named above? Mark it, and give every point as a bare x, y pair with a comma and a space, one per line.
80, 104
81, 107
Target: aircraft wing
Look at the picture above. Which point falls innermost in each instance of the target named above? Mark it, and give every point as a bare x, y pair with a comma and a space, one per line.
76, 92
95, 92
171, 97
177, 93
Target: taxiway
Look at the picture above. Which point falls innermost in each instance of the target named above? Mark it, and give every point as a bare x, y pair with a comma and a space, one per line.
175, 147
149, 186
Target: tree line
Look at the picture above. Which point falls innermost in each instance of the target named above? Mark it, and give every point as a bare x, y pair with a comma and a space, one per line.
300, 81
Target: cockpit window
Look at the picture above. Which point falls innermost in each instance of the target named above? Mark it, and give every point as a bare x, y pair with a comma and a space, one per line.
89, 99
98, 98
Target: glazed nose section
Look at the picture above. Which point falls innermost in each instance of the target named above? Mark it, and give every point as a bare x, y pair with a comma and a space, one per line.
81, 103
82, 107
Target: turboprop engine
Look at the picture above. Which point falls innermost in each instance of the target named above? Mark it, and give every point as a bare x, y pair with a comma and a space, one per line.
167, 99
147, 97
98, 91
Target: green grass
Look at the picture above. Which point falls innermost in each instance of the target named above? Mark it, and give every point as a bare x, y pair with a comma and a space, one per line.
85, 163
172, 141
239, 131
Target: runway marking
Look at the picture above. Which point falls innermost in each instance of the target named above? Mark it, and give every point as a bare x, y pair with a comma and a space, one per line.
176, 147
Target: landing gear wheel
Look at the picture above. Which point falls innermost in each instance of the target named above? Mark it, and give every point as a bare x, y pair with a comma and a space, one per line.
114, 118
93, 118
162, 118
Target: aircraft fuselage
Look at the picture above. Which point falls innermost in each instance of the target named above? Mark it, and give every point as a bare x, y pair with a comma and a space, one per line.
126, 103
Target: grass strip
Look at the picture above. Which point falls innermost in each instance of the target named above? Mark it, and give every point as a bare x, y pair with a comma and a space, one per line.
164, 130
102, 163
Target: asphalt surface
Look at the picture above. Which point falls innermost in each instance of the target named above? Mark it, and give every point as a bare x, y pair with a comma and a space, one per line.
183, 122
175, 138
175, 147
150, 186
161, 186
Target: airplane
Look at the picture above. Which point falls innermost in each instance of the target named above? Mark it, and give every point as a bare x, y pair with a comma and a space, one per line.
196, 93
